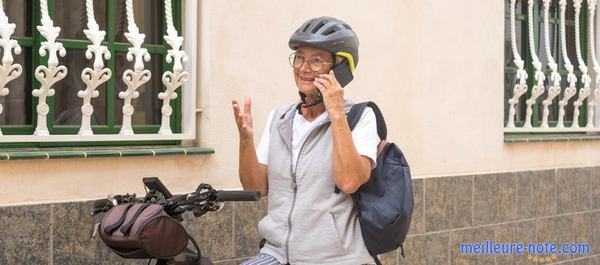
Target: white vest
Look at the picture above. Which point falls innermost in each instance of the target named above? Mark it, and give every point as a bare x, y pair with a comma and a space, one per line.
306, 222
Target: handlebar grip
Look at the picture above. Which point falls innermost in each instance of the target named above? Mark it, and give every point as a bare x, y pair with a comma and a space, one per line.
102, 203
235, 195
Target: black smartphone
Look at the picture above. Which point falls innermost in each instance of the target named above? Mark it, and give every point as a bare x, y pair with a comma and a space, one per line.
154, 184
342, 73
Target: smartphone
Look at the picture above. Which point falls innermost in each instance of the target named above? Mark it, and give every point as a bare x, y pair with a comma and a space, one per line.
342, 73
154, 184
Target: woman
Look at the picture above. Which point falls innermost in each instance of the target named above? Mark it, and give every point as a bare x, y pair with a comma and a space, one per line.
306, 151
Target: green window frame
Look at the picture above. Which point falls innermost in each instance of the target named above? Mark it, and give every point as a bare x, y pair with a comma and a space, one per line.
510, 68
33, 43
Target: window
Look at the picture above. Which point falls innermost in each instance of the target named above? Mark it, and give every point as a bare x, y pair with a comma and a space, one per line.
522, 37
64, 118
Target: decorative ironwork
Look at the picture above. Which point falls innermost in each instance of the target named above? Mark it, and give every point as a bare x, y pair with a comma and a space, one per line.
47, 75
96, 76
8, 70
175, 79
133, 79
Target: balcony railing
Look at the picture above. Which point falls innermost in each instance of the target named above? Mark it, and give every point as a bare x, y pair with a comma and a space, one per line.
93, 77
547, 89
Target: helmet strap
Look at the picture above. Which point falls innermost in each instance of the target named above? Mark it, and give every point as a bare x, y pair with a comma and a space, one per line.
318, 100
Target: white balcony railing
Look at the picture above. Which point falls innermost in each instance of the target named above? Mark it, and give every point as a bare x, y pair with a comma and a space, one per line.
51, 73
552, 86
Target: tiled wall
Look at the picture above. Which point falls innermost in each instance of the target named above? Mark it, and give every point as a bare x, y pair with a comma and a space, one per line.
561, 205
61, 234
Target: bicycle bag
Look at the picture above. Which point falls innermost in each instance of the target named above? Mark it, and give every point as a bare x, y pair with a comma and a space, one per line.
142, 231
384, 203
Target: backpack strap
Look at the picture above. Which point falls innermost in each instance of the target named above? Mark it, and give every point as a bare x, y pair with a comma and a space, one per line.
381, 126
356, 112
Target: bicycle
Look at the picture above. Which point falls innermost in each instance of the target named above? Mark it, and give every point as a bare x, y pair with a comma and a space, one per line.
205, 199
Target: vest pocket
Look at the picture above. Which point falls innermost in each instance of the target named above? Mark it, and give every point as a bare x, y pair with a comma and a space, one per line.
336, 230
271, 231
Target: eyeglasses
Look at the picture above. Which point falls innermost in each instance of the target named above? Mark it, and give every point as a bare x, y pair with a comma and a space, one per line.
315, 63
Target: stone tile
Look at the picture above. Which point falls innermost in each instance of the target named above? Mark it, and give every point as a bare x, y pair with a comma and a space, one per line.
107, 257
436, 247
585, 261
494, 198
573, 189
594, 232
72, 242
470, 236
536, 194
25, 234
213, 232
417, 224
414, 251
521, 232
595, 189
583, 225
389, 258
73, 227
448, 202
594, 260
246, 216
555, 230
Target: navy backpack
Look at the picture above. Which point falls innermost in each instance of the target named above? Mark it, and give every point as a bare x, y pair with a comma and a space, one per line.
385, 203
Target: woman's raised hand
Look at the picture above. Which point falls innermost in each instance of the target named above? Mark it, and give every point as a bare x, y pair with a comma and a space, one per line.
243, 118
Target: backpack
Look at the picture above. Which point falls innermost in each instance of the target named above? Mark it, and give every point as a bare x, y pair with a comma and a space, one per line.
385, 203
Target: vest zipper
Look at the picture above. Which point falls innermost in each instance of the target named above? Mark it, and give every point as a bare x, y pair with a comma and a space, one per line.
287, 240
294, 187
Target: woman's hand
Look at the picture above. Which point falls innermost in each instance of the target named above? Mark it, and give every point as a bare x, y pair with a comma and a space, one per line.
333, 94
253, 175
243, 119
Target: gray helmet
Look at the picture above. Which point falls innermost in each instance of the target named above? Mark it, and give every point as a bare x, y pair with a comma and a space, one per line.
329, 34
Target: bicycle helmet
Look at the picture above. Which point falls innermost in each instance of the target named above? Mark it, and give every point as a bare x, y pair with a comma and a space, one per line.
330, 34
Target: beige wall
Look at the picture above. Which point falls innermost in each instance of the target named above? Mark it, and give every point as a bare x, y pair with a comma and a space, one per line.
434, 67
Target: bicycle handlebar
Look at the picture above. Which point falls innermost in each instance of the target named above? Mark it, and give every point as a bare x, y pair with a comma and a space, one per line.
234, 195
205, 198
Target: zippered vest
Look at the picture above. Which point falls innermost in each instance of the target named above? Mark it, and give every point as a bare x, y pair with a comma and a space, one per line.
307, 223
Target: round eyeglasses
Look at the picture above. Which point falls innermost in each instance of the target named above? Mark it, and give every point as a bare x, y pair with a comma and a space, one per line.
315, 63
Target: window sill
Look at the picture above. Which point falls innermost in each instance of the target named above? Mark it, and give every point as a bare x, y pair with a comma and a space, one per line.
523, 138
93, 138
101, 152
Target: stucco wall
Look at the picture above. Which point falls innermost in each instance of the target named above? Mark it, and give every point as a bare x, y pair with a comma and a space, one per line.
434, 67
